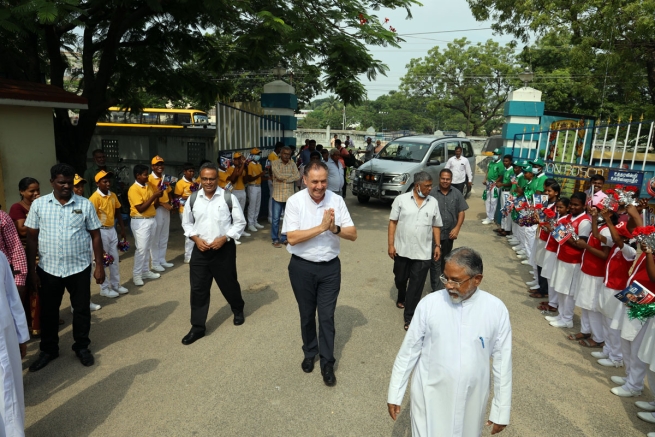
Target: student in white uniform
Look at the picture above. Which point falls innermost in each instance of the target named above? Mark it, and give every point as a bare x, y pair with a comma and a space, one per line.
454, 334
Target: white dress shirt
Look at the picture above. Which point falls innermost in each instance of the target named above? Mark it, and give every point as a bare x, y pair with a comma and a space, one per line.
413, 237
460, 168
210, 217
335, 175
302, 213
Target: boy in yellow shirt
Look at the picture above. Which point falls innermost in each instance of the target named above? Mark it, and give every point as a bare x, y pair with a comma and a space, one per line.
159, 243
78, 188
142, 213
107, 207
183, 189
253, 178
235, 175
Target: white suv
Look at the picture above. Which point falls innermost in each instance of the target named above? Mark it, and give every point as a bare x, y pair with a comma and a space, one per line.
391, 172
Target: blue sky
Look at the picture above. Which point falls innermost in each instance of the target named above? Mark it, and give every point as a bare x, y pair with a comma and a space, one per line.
433, 16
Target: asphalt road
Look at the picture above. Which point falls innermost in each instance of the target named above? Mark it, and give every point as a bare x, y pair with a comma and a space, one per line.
247, 381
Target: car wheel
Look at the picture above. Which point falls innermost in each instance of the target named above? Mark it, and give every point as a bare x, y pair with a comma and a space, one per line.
363, 199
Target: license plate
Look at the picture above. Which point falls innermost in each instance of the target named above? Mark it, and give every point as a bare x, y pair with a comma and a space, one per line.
370, 186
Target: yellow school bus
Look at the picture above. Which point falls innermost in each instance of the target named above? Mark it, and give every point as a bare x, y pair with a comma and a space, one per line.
154, 117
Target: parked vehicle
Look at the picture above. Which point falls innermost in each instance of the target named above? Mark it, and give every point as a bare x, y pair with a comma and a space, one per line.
391, 172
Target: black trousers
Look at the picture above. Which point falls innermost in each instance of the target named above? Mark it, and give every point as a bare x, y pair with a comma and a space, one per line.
460, 187
316, 286
436, 267
543, 282
221, 266
50, 295
409, 275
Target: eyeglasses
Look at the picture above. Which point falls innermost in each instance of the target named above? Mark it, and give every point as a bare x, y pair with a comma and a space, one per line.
456, 284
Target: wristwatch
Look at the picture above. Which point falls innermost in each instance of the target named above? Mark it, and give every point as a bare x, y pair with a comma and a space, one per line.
438, 245
338, 230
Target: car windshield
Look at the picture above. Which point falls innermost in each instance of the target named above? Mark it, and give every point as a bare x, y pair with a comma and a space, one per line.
404, 151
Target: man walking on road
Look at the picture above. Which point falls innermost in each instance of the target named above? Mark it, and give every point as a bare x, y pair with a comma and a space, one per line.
315, 221
63, 226
451, 207
335, 172
461, 170
455, 332
284, 173
213, 226
413, 224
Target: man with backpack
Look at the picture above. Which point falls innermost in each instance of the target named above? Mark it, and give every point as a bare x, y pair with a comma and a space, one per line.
213, 220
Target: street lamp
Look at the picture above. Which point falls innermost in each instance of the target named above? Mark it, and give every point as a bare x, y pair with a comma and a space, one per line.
279, 71
526, 76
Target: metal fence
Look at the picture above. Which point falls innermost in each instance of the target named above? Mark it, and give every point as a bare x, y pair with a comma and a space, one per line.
239, 129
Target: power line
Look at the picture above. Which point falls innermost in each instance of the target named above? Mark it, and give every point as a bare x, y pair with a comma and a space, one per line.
444, 31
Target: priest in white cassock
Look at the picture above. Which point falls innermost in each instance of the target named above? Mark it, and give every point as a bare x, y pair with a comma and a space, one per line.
13, 336
452, 336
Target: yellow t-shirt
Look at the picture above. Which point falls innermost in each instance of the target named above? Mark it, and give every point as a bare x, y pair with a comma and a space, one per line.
105, 207
153, 181
222, 178
238, 185
272, 156
137, 195
183, 190
255, 168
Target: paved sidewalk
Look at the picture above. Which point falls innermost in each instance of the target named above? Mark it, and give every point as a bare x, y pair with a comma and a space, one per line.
247, 380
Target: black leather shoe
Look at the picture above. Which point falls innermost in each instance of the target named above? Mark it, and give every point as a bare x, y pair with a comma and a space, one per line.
85, 357
239, 318
308, 364
192, 336
43, 360
328, 375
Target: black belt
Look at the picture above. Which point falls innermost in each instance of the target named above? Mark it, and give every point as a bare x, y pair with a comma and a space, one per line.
336, 258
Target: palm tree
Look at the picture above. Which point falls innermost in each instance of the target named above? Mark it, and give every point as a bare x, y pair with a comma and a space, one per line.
332, 105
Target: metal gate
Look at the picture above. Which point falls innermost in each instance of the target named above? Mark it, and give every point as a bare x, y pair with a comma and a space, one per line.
239, 129
622, 152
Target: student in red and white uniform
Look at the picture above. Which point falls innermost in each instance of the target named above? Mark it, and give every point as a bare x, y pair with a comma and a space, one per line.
569, 256
619, 263
591, 280
540, 284
550, 258
633, 331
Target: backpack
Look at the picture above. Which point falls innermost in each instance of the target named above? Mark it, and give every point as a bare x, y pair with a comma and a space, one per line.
228, 200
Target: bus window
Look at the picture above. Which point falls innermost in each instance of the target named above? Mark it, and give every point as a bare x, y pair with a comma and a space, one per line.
167, 118
183, 118
149, 118
132, 118
199, 118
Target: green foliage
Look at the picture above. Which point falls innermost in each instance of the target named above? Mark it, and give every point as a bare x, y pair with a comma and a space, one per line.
616, 37
472, 80
133, 51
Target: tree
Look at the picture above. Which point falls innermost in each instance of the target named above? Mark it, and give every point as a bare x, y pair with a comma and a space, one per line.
133, 48
473, 80
622, 32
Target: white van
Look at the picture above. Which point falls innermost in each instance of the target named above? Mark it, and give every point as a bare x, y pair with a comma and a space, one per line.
391, 172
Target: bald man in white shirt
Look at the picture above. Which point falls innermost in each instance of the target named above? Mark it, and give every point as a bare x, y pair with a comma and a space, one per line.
210, 223
314, 222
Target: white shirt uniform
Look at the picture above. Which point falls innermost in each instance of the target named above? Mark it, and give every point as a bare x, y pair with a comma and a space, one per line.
448, 347
413, 237
460, 168
302, 213
335, 175
13, 330
210, 218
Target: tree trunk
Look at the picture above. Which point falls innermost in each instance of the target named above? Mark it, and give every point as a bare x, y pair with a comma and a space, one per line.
72, 142
650, 73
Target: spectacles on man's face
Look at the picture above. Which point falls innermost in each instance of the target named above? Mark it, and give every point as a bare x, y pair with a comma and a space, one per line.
455, 284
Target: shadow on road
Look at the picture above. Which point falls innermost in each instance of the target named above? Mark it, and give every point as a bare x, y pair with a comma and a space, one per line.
346, 319
253, 301
82, 414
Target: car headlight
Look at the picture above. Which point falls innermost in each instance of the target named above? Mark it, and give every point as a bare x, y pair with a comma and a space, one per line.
400, 179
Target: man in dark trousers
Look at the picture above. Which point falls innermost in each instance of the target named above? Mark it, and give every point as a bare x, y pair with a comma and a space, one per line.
213, 219
315, 221
63, 226
451, 206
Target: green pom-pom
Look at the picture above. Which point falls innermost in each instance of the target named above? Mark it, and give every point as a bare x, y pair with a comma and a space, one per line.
642, 312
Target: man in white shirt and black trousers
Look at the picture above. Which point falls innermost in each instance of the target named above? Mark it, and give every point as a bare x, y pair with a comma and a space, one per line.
213, 227
461, 170
314, 221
